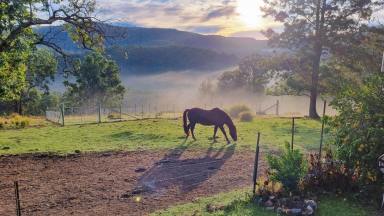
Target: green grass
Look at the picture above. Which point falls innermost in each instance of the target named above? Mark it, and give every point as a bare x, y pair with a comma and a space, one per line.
238, 203
154, 135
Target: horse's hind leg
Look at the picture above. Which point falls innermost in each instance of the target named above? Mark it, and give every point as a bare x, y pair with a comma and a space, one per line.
214, 133
188, 128
192, 130
225, 134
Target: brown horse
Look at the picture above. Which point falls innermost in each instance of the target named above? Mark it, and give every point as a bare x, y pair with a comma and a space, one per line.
216, 117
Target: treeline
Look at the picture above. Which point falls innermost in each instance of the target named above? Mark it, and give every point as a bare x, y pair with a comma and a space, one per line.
136, 59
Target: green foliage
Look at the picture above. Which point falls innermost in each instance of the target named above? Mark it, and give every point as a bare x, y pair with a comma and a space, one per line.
38, 102
18, 40
12, 74
251, 75
246, 116
97, 79
236, 110
288, 168
42, 67
358, 130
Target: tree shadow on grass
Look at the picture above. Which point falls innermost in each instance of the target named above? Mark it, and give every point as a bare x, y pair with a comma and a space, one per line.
172, 171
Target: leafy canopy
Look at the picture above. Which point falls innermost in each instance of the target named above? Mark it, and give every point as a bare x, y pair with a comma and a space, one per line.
97, 79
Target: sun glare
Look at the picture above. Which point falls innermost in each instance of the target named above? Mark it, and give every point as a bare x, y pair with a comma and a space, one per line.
249, 12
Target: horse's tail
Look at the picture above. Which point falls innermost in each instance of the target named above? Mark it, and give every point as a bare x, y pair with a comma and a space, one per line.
185, 121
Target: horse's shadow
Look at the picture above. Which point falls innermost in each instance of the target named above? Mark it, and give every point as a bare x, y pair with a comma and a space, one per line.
173, 172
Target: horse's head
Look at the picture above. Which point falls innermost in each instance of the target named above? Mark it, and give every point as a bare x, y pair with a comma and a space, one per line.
232, 130
233, 133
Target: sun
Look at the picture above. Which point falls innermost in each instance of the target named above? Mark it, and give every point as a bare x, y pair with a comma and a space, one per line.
249, 12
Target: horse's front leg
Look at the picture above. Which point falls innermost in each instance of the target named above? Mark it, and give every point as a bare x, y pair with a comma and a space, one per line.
192, 130
214, 133
225, 134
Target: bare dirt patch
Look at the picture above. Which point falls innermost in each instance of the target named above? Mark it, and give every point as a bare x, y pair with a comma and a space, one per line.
120, 183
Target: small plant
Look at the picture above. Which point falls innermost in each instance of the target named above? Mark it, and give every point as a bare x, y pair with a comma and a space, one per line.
329, 175
266, 187
288, 168
236, 110
246, 117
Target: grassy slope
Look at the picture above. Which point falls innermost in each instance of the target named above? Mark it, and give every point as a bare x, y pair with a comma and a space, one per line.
151, 134
237, 203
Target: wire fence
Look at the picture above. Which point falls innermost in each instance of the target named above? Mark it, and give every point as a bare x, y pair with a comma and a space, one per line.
70, 115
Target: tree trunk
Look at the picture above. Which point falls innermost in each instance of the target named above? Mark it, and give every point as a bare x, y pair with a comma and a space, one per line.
318, 48
315, 81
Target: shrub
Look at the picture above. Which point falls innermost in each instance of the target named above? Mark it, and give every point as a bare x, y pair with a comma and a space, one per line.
14, 121
358, 129
246, 117
288, 168
328, 174
236, 110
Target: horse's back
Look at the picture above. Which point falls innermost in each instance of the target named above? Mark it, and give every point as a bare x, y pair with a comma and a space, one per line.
215, 116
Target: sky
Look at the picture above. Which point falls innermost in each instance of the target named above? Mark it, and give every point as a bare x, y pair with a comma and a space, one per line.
241, 18
223, 17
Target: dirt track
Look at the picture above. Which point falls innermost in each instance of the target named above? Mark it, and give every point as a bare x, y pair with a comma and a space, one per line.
109, 183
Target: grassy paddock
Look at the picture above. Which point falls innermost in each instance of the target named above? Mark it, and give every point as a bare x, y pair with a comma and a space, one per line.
239, 203
153, 134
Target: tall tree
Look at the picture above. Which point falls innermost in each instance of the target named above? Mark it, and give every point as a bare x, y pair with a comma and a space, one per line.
315, 26
41, 70
18, 39
97, 80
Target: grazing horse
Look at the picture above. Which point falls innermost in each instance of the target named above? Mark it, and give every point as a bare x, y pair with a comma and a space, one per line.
216, 117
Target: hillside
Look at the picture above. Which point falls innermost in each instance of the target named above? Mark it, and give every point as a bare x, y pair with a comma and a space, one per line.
153, 50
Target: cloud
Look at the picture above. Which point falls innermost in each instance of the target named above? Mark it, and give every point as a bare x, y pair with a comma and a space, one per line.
226, 12
200, 16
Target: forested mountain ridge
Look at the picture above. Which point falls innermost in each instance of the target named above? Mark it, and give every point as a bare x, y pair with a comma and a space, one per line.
151, 50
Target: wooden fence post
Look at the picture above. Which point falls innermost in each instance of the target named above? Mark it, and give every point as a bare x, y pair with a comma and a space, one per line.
256, 164
142, 111
322, 129
17, 198
99, 113
62, 109
277, 107
293, 132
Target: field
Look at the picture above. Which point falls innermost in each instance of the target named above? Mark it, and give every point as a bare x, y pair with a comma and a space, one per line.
142, 167
153, 134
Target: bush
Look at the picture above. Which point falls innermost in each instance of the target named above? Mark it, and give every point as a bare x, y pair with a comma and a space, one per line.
288, 168
329, 175
246, 117
358, 129
14, 121
236, 110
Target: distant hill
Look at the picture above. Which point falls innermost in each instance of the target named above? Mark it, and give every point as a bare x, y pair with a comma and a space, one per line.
151, 50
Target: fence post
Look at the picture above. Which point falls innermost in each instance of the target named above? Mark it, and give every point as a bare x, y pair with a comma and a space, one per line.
322, 129
256, 164
277, 107
120, 110
99, 113
293, 132
142, 111
62, 109
17, 198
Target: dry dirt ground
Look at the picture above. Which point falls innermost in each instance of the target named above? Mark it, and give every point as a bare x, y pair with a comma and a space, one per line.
120, 183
